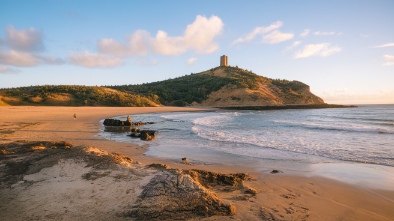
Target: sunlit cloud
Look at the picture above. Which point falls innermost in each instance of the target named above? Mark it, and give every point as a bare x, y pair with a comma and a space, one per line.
305, 33
90, 60
323, 50
7, 70
191, 61
198, 36
277, 37
389, 60
269, 34
385, 45
18, 58
24, 48
24, 40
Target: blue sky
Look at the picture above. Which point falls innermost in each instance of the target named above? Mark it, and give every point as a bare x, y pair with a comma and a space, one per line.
343, 49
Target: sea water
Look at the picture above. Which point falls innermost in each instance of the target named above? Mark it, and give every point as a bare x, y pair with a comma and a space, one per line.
362, 135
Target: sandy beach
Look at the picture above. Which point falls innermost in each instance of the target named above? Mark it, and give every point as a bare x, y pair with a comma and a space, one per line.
47, 195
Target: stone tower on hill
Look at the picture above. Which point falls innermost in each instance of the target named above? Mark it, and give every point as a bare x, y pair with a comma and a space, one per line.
223, 61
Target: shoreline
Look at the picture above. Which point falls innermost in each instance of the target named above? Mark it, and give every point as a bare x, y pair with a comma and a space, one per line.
288, 107
325, 199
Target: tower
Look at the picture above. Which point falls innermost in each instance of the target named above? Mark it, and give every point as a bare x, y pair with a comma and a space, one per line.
223, 61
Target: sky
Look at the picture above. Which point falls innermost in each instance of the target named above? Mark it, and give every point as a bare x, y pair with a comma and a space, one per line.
344, 50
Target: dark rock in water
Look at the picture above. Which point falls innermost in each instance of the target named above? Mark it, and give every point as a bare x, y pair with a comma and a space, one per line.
177, 197
143, 134
276, 171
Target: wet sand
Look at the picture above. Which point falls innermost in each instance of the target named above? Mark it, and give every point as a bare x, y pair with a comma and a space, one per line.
280, 196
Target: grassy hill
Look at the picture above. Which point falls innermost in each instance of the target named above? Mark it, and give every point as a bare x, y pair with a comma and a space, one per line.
225, 86
220, 86
66, 95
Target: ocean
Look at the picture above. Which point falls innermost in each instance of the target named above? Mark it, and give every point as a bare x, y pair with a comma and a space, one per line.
362, 135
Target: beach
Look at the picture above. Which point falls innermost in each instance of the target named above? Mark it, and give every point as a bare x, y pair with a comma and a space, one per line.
278, 196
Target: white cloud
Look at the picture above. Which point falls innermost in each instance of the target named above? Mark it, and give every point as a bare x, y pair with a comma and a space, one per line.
292, 46
201, 33
7, 70
323, 49
24, 40
385, 45
90, 60
389, 59
198, 36
258, 31
269, 34
305, 33
326, 33
191, 61
17, 58
275, 37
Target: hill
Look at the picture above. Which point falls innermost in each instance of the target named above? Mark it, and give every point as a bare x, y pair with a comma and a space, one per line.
225, 86
66, 95
221, 86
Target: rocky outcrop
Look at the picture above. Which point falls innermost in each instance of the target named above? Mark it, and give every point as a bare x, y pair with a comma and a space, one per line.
120, 123
176, 196
210, 179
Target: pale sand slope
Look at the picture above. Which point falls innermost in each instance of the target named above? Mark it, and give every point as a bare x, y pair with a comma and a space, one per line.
279, 197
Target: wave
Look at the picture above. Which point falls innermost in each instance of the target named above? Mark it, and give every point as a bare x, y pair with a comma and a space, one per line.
345, 127
253, 144
220, 119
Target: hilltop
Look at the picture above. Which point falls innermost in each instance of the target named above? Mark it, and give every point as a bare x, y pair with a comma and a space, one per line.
221, 86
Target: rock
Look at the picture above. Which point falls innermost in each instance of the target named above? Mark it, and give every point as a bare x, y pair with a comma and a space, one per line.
209, 179
147, 135
119, 123
158, 166
276, 171
250, 190
177, 197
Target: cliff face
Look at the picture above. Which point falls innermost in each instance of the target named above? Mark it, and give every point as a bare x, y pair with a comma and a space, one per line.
249, 89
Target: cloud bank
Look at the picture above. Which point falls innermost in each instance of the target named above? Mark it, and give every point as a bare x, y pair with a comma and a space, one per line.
23, 49
90, 60
198, 36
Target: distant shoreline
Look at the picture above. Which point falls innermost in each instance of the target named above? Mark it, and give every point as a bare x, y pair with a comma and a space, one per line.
286, 107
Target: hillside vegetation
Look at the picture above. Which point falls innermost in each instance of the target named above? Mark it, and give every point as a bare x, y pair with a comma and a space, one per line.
220, 86
65, 95
225, 86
